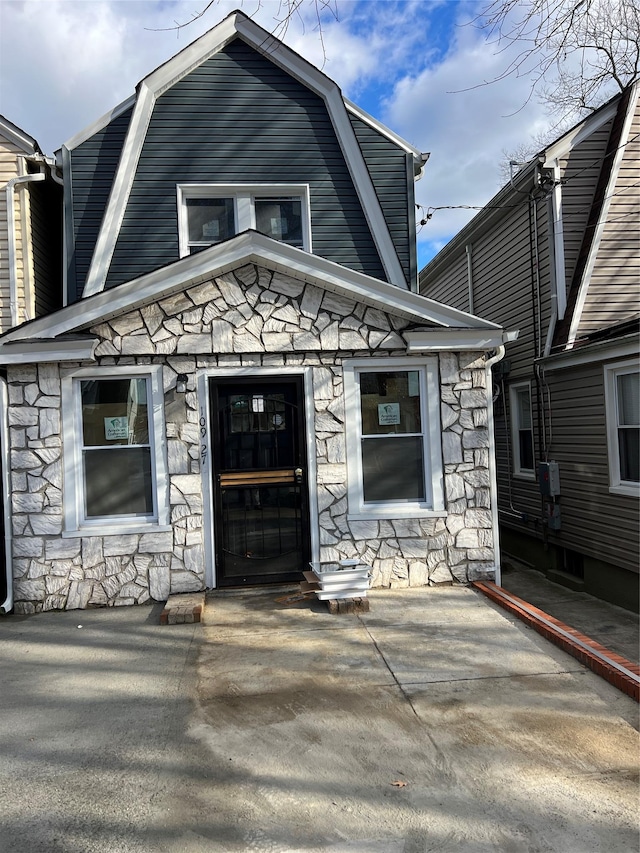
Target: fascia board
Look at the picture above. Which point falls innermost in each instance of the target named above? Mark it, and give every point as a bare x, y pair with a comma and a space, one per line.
561, 147
99, 124
433, 340
381, 128
590, 353
18, 137
249, 247
34, 352
602, 220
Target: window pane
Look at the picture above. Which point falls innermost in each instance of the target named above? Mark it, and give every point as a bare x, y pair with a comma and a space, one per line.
526, 450
118, 482
280, 218
390, 402
393, 468
629, 446
210, 220
523, 396
114, 411
628, 399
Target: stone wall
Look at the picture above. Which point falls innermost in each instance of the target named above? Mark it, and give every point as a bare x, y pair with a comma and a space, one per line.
252, 318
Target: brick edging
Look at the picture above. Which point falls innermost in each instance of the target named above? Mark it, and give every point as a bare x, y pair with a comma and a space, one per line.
617, 670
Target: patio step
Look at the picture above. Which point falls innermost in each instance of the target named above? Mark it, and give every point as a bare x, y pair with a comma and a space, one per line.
184, 607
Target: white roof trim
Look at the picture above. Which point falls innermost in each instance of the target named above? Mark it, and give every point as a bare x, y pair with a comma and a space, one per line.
31, 352
99, 124
249, 247
591, 353
381, 128
582, 131
195, 54
602, 220
18, 137
453, 339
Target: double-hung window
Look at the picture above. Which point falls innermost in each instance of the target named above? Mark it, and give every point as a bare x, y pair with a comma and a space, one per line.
393, 438
522, 429
114, 470
622, 394
211, 213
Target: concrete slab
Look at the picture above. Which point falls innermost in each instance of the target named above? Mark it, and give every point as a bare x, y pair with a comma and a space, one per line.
275, 729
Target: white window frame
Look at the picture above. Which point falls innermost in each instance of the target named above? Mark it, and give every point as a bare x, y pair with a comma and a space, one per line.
75, 522
518, 469
243, 196
433, 504
617, 485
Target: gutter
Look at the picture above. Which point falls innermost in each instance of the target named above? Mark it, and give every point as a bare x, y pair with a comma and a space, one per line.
7, 605
11, 229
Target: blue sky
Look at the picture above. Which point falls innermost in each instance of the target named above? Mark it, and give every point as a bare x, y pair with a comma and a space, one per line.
410, 63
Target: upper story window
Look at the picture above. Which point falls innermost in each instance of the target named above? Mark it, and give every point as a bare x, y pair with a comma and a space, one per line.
622, 394
211, 213
522, 429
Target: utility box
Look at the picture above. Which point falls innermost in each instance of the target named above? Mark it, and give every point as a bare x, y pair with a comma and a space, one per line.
549, 479
553, 516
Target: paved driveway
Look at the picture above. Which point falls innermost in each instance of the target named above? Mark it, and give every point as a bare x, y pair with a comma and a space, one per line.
432, 723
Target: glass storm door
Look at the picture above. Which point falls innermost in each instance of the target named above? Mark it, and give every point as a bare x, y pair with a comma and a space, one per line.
260, 484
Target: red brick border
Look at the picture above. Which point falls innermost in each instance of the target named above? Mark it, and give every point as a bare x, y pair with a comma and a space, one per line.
613, 667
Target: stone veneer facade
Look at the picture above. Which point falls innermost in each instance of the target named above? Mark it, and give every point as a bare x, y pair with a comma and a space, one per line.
258, 319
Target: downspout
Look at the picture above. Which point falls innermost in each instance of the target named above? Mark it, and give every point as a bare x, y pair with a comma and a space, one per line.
469, 250
7, 605
11, 228
493, 476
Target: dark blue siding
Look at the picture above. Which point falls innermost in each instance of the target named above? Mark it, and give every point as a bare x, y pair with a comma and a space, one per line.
93, 167
392, 178
238, 118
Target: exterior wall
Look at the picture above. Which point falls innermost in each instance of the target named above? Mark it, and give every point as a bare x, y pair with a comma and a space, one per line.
257, 319
11, 166
614, 295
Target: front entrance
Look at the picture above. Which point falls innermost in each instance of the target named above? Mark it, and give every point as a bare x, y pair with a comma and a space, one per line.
259, 480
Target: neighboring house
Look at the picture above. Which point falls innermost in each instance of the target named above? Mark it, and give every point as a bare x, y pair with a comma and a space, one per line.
30, 247
244, 378
556, 254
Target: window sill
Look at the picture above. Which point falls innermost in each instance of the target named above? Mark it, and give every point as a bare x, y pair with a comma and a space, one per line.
393, 513
84, 532
525, 475
631, 490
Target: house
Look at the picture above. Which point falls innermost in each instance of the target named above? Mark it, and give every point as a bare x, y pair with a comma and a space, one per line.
30, 247
243, 377
556, 254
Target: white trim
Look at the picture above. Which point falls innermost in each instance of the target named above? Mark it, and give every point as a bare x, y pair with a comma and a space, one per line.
244, 196
30, 352
563, 146
18, 137
249, 247
514, 422
5, 466
74, 522
602, 220
590, 353
617, 485
433, 503
181, 64
381, 128
99, 124
558, 242
203, 379
436, 340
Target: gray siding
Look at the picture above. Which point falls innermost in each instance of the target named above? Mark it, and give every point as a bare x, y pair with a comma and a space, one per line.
594, 522
93, 167
387, 165
46, 236
238, 118
614, 292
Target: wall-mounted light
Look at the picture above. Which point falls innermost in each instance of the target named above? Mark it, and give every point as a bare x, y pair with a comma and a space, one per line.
181, 383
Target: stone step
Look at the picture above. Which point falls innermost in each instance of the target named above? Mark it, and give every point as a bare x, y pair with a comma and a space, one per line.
185, 607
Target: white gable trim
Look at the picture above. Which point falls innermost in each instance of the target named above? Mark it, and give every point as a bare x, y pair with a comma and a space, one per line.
559, 149
18, 137
602, 221
249, 247
175, 69
99, 124
381, 128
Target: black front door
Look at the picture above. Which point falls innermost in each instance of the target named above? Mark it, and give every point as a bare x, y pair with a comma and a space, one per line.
260, 484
